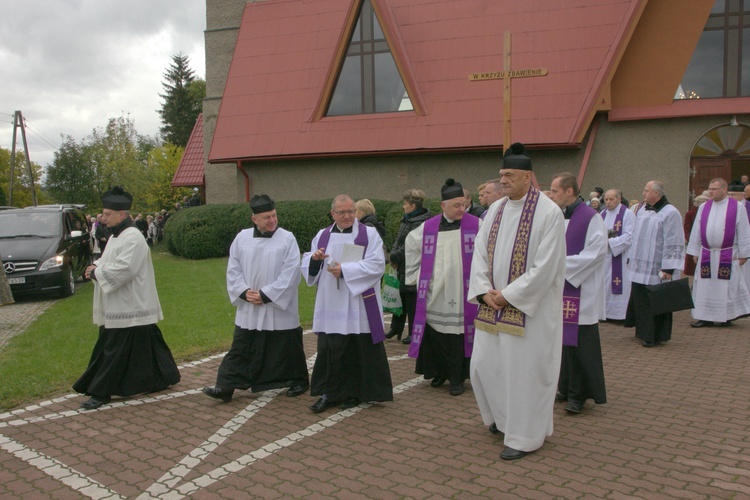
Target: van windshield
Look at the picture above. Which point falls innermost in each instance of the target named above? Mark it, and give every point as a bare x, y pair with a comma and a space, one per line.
20, 225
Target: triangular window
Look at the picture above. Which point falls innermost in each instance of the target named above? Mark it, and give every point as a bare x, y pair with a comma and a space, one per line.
369, 80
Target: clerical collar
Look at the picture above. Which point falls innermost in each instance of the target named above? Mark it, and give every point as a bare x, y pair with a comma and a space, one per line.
658, 205
447, 224
122, 226
337, 230
568, 212
258, 234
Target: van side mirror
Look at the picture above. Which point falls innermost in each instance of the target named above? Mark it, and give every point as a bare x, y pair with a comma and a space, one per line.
76, 234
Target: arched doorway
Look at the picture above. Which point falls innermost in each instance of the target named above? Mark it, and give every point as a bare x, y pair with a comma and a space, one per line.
723, 151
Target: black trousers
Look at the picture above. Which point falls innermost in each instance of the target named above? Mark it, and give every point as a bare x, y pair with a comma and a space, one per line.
648, 327
582, 370
442, 355
409, 303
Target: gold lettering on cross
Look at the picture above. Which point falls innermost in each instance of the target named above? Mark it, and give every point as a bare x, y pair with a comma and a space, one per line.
506, 75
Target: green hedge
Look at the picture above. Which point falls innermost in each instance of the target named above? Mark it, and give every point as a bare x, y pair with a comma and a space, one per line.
208, 230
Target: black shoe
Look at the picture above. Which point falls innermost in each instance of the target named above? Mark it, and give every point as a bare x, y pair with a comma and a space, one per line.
457, 389
392, 334
350, 403
494, 429
560, 397
723, 324
407, 340
648, 344
217, 392
574, 406
511, 454
700, 323
322, 405
297, 390
437, 382
94, 402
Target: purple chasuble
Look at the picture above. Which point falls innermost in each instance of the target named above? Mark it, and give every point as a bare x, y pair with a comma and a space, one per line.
374, 316
575, 241
469, 229
725, 257
617, 260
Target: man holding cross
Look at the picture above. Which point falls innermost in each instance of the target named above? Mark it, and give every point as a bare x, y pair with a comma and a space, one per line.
619, 222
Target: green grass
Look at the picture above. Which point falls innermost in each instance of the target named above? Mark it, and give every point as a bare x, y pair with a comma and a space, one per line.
198, 321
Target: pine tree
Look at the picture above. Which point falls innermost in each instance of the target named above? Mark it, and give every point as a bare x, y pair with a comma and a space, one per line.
182, 101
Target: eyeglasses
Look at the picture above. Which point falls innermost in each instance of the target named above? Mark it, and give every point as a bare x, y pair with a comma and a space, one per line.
343, 212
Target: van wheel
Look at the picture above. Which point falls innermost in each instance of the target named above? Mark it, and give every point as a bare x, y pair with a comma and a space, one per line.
69, 287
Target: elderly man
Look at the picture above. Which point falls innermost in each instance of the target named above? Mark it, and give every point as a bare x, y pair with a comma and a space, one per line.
517, 274
720, 246
656, 254
130, 357
346, 262
262, 281
619, 222
582, 370
438, 261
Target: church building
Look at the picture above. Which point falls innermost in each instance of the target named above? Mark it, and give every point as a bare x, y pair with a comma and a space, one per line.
306, 99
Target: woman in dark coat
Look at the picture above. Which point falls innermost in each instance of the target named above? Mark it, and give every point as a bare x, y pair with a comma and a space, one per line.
414, 216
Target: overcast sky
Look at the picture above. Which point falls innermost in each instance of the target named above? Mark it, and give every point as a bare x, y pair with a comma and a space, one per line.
70, 65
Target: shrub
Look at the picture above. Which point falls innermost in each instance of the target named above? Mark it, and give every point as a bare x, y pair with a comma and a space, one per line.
207, 231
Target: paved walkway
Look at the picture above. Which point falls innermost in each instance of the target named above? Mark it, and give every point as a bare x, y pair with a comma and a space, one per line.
676, 426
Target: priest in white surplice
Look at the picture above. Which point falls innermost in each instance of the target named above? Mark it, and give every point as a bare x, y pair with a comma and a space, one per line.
130, 356
438, 262
720, 246
346, 262
656, 254
619, 222
262, 281
517, 274
746, 207
582, 370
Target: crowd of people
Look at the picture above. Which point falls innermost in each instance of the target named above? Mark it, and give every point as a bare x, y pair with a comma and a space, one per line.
507, 293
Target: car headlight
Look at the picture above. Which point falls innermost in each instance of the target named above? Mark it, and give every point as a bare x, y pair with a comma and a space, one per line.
53, 262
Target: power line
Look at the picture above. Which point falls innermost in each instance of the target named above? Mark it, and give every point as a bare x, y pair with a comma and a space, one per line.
50, 142
7, 114
42, 137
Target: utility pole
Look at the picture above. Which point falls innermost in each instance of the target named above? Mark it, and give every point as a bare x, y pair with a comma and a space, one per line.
19, 123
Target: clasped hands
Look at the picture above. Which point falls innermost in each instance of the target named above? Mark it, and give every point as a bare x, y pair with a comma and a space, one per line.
334, 269
495, 299
253, 297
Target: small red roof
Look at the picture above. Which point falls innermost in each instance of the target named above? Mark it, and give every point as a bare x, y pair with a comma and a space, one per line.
285, 49
190, 171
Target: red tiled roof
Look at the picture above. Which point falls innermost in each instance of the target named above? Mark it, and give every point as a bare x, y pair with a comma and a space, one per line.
285, 48
190, 171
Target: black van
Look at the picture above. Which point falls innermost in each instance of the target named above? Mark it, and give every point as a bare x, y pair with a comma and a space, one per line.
44, 248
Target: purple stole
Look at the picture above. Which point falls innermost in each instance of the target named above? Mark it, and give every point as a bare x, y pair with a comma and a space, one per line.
575, 241
469, 229
747, 207
725, 257
374, 316
617, 261
509, 319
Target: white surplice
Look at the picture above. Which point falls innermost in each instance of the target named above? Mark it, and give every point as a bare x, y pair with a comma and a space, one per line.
658, 243
617, 305
746, 267
585, 270
125, 287
270, 265
515, 378
339, 308
718, 299
445, 304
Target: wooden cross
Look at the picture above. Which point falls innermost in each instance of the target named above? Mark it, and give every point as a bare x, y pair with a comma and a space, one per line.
507, 74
